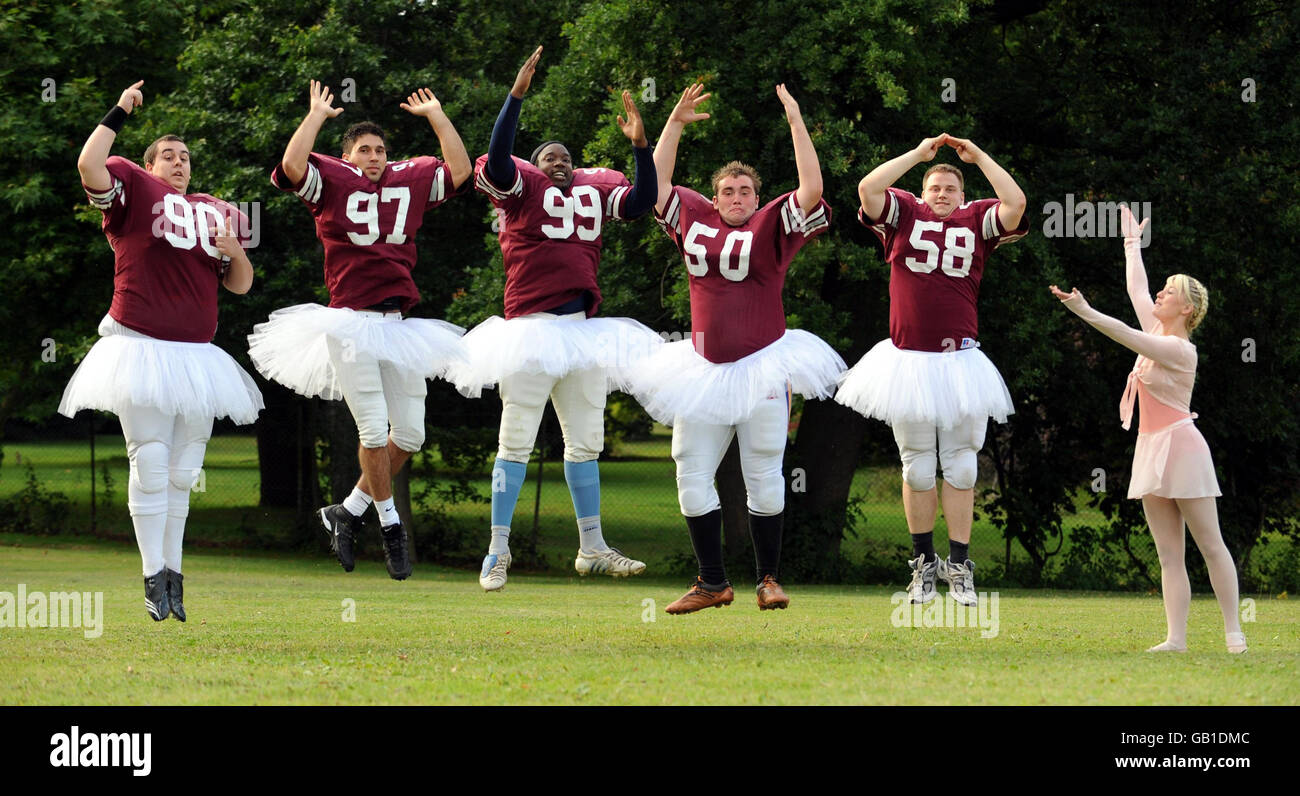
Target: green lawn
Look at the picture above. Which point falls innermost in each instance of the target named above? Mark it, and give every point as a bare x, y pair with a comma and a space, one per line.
638, 492
272, 630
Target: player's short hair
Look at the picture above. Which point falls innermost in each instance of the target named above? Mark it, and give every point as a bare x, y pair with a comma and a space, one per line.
537, 153
737, 169
947, 167
1194, 293
152, 151
359, 129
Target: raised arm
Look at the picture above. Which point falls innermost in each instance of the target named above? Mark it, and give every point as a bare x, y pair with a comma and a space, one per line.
1168, 350
1139, 293
294, 162
500, 167
645, 183
91, 163
424, 103
665, 156
805, 155
1012, 198
872, 188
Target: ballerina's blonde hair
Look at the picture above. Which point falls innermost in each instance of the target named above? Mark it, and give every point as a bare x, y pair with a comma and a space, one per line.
1194, 293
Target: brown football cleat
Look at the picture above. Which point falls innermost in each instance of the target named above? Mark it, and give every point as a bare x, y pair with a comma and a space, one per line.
699, 597
771, 595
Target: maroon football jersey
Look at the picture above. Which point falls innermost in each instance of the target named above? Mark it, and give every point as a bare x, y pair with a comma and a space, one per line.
936, 266
368, 228
551, 239
737, 273
166, 268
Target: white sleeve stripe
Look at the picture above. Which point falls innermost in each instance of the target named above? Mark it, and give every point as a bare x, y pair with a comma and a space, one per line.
891, 208
104, 199
991, 223
614, 206
311, 185
673, 214
815, 221
436, 190
482, 182
1010, 237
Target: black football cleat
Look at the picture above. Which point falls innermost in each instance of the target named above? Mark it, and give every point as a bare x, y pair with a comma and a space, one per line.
175, 591
155, 595
342, 527
395, 555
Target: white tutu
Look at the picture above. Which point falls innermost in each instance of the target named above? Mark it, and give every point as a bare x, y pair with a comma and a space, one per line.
555, 345
678, 382
292, 346
938, 387
125, 368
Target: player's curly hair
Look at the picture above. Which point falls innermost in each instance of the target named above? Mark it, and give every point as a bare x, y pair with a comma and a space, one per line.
359, 129
949, 168
737, 169
152, 151
1194, 293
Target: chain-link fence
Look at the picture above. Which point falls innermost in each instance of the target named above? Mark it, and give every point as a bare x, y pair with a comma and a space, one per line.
262, 488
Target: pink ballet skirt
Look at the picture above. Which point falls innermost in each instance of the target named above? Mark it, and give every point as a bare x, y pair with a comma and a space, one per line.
1173, 460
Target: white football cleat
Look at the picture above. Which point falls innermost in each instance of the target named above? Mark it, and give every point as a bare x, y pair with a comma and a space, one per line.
960, 579
607, 562
493, 576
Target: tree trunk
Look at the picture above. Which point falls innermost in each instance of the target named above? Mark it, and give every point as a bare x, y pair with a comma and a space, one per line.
279, 447
735, 511
821, 464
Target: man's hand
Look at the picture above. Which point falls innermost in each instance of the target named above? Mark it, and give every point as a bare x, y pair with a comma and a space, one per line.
927, 149
967, 151
684, 112
225, 241
422, 103
525, 77
131, 98
1128, 223
632, 126
322, 101
792, 114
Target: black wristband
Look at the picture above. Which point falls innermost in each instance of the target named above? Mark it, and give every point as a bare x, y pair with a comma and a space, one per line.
114, 119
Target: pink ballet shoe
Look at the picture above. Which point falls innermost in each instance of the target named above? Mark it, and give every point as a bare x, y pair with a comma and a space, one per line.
1236, 642
1165, 646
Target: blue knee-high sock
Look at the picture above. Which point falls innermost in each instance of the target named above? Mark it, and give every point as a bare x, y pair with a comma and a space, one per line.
584, 487
507, 481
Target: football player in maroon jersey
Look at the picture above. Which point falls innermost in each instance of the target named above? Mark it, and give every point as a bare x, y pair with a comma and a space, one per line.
929, 381
550, 343
360, 348
735, 376
154, 365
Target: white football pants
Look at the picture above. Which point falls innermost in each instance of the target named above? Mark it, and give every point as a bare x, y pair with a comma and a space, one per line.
698, 449
380, 394
957, 452
579, 400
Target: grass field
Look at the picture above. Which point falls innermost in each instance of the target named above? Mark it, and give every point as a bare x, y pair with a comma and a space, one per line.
272, 630
638, 501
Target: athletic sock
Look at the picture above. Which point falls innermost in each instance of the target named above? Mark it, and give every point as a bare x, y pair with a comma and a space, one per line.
706, 538
958, 552
507, 481
150, 530
765, 532
923, 545
590, 538
500, 544
357, 502
387, 512
173, 541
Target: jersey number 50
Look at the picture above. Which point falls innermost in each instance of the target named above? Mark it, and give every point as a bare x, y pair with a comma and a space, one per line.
696, 253
958, 249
